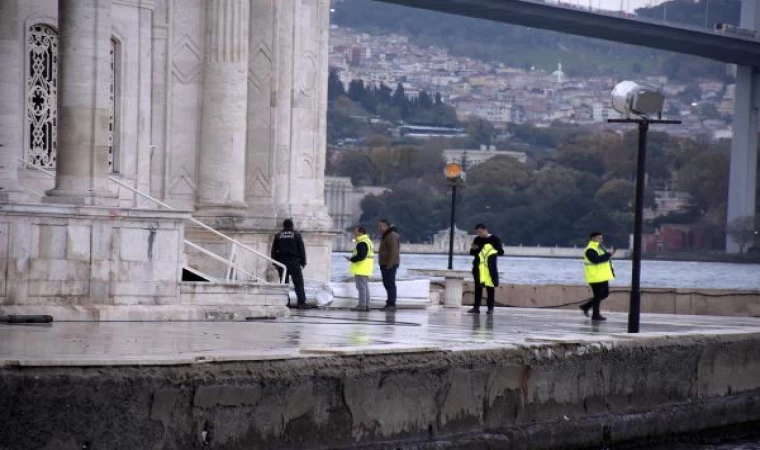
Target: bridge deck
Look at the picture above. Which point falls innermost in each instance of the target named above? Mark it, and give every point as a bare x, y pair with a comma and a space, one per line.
653, 34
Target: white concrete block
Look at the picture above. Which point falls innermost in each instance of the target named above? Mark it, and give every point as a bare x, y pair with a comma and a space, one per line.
166, 246
4, 235
51, 241
78, 242
133, 244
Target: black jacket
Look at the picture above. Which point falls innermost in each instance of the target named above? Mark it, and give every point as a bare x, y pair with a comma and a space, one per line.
596, 258
361, 252
492, 264
288, 247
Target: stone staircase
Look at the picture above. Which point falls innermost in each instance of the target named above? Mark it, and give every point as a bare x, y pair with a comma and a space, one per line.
143, 268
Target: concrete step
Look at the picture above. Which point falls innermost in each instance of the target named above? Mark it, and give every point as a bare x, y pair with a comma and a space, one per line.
197, 300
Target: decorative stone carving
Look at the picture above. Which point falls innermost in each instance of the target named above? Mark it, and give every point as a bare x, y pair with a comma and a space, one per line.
261, 66
42, 95
187, 61
112, 103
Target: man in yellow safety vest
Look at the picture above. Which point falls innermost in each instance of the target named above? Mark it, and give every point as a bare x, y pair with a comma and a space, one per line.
362, 266
597, 265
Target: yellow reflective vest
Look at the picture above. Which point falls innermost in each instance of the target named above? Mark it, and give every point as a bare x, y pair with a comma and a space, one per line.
483, 271
597, 273
366, 266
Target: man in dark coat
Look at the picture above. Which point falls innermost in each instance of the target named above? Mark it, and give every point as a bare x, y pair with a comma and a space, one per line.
485, 248
389, 260
289, 250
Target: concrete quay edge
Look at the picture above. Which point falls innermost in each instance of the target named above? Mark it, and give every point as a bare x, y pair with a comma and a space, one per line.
537, 395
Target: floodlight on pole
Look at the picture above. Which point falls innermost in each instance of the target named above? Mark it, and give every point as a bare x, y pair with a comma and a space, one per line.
455, 177
637, 104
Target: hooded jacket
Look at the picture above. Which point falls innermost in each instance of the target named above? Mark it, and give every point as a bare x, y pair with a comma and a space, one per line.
390, 248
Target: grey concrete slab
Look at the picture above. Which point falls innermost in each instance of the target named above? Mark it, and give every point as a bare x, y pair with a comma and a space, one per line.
330, 333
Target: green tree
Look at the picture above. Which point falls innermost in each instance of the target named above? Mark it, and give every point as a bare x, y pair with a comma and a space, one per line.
417, 210
481, 131
400, 100
583, 154
356, 90
616, 195
335, 87
500, 171
705, 179
743, 231
357, 165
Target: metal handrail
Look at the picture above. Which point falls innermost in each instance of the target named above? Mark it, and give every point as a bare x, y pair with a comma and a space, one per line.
221, 259
191, 219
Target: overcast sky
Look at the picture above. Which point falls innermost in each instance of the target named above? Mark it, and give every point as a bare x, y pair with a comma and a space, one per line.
628, 5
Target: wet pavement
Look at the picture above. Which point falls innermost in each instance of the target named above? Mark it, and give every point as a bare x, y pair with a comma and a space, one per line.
321, 332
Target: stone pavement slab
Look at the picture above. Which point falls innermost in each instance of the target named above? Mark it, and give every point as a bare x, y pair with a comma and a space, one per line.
330, 333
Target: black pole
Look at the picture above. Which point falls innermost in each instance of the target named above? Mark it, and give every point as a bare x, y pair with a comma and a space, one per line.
451, 230
634, 311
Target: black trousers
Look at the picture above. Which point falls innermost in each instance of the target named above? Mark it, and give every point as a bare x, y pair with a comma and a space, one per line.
389, 282
491, 300
295, 273
601, 291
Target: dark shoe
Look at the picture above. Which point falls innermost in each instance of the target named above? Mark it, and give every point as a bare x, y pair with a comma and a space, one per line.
302, 306
585, 309
490, 311
389, 308
473, 311
598, 318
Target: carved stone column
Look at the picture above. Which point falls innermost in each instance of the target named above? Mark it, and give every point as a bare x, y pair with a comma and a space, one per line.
83, 103
221, 189
11, 92
303, 28
302, 129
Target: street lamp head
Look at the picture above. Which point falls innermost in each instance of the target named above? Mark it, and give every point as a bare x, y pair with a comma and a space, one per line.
629, 98
453, 172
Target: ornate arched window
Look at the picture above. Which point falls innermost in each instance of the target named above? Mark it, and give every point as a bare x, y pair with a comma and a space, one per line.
42, 94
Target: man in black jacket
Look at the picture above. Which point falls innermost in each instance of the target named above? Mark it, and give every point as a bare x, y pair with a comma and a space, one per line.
289, 250
485, 248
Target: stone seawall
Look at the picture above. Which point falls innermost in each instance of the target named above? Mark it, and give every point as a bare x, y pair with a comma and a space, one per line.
709, 302
537, 395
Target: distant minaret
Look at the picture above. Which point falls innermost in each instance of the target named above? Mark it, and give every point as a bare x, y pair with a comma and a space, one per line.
559, 75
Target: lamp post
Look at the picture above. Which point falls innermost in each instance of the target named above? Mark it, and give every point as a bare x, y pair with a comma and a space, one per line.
455, 177
636, 103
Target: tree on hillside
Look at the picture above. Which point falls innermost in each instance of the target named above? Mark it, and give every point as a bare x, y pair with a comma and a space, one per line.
335, 88
501, 171
417, 210
616, 194
705, 179
554, 183
583, 154
743, 230
356, 90
481, 131
357, 165
400, 101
